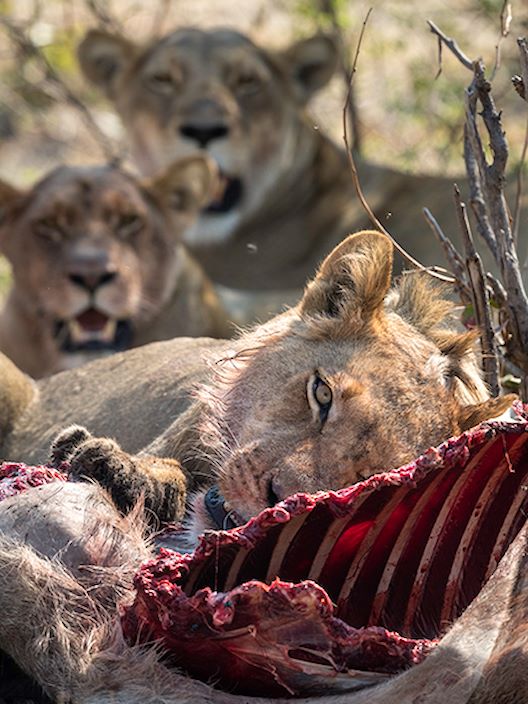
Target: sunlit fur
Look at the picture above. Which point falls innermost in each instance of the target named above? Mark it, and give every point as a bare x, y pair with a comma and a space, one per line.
102, 219
403, 379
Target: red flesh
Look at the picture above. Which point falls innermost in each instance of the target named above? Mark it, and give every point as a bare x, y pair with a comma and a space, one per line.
401, 554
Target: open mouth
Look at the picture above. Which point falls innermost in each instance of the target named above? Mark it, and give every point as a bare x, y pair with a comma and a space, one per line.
340, 590
93, 330
228, 196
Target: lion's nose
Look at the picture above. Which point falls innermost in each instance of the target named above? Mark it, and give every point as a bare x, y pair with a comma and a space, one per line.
202, 134
92, 281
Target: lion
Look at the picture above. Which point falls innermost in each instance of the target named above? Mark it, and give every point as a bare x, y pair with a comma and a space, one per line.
288, 196
98, 264
308, 389
357, 378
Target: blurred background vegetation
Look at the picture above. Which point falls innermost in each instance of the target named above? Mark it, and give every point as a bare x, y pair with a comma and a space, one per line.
408, 118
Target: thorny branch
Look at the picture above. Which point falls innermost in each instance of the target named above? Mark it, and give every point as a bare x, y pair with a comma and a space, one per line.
31, 51
355, 177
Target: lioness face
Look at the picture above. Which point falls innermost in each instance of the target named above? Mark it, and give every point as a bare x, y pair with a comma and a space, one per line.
95, 252
214, 91
346, 385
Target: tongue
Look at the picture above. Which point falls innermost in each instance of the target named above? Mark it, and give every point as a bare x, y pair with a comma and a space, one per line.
92, 320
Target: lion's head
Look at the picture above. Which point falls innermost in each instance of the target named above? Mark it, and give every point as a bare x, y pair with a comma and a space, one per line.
95, 252
214, 91
358, 378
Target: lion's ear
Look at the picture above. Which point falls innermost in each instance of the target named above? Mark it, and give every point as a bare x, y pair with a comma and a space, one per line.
102, 58
479, 412
353, 279
310, 63
186, 186
9, 198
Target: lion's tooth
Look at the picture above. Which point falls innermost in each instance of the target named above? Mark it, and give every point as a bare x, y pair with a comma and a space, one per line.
77, 334
109, 330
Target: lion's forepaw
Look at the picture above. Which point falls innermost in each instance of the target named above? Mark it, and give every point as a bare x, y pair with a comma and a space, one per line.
66, 443
98, 458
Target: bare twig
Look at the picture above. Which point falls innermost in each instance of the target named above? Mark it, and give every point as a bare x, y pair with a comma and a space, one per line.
31, 51
518, 84
329, 8
492, 183
355, 177
451, 45
476, 171
479, 294
455, 260
486, 178
523, 54
103, 17
505, 20
439, 72
519, 190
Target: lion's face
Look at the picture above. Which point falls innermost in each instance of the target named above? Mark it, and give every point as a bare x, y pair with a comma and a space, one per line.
212, 91
95, 253
350, 383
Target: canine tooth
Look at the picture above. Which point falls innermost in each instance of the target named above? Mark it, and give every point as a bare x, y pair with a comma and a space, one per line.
77, 333
109, 330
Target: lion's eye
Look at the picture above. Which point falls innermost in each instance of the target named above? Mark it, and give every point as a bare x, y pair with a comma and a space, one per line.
161, 82
128, 225
248, 84
49, 230
319, 397
322, 393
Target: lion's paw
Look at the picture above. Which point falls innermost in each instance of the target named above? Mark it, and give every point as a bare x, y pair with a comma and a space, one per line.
99, 458
66, 443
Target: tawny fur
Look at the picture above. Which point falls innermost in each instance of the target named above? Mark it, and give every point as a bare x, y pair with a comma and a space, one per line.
298, 198
99, 238
402, 379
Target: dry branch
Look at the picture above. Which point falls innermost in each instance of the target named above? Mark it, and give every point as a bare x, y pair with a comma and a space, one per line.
30, 51
455, 260
452, 45
355, 177
480, 298
523, 55
104, 18
505, 22
520, 83
490, 210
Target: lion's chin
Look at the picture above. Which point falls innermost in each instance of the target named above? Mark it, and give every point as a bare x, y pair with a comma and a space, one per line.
93, 331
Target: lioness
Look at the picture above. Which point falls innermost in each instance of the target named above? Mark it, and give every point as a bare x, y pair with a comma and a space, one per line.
288, 195
355, 379
98, 264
